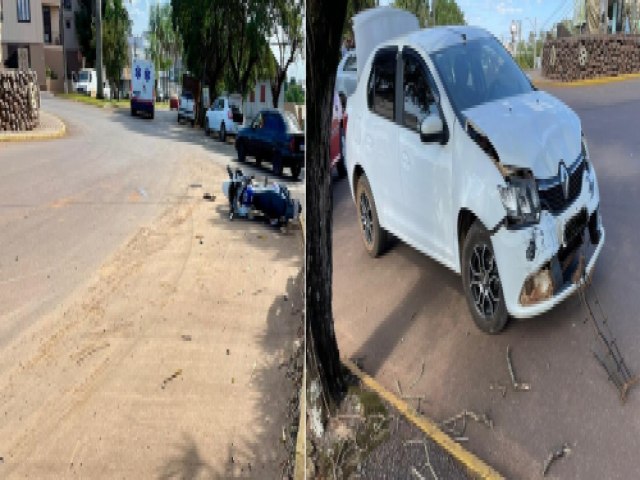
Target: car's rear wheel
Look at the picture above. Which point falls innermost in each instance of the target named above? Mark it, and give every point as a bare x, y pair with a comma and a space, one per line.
206, 127
133, 112
223, 133
276, 164
242, 156
259, 161
295, 171
179, 118
481, 281
373, 235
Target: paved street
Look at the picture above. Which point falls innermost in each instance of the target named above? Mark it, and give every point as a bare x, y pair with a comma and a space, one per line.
403, 309
143, 334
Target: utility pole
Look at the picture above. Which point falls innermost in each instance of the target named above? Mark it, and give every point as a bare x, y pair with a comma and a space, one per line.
100, 93
1, 22
64, 48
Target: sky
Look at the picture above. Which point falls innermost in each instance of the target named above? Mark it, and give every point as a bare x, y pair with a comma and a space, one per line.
496, 15
139, 14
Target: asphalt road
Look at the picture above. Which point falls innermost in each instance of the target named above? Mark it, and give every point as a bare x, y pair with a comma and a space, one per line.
66, 205
403, 309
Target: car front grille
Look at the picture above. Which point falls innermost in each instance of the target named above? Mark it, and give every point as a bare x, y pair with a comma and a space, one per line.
552, 198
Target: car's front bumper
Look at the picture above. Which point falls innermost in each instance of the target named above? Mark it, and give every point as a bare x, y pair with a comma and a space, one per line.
534, 283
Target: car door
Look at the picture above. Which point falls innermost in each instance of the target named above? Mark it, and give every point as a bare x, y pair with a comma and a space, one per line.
425, 163
253, 143
380, 139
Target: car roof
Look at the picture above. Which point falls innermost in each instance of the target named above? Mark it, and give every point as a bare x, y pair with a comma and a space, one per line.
437, 38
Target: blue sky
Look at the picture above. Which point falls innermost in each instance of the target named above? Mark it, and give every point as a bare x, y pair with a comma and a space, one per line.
496, 15
139, 14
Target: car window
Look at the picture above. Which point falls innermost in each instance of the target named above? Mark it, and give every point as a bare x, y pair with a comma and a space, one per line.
235, 110
291, 123
350, 64
418, 99
382, 83
479, 71
273, 122
258, 121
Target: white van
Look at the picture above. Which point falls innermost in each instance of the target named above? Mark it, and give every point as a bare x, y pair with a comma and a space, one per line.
451, 149
143, 94
86, 82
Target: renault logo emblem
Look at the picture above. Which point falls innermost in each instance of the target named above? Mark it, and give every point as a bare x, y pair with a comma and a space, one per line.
564, 180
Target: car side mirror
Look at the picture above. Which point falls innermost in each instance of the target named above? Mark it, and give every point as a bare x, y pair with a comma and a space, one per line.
432, 129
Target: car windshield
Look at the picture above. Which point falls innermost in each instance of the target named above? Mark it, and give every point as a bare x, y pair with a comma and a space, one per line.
351, 64
479, 71
83, 77
187, 95
291, 122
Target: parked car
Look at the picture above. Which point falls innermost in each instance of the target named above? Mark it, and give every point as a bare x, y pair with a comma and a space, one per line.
224, 116
338, 131
174, 102
276, 137
347, 74
186, 108
474, 167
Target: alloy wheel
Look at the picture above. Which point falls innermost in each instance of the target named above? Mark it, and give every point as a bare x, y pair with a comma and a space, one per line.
484, 280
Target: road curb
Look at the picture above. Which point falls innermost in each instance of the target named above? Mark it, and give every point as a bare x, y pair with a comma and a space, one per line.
587, 82
300, 467
474, 464
59, 132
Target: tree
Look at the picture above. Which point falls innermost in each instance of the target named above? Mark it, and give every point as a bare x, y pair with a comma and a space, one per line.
247, 43
447, 12
420, 8
287, 21
325, 22
85, 31
116, 29
293, 92
165, 44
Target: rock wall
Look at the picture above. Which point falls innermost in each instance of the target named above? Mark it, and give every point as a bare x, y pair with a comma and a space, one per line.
19, 100
590, 56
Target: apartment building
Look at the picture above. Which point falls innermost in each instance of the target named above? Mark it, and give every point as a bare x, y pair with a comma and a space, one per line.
31, 39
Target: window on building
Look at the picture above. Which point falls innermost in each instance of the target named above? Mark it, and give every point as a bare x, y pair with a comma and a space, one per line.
67, 4
67, 23
24, 10
263, 93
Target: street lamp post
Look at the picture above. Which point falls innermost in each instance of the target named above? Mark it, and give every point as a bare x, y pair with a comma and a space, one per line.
100, 93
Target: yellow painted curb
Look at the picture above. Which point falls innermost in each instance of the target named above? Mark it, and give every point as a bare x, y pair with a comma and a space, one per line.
299, 472
26, 136
468, 459
587, 82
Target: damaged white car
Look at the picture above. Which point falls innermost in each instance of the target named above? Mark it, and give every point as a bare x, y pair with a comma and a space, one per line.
451, 149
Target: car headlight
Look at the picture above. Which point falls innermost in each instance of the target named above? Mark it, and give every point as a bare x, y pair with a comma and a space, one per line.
520, 200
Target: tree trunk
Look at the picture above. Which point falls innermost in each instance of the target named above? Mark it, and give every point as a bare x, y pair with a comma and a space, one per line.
324, 28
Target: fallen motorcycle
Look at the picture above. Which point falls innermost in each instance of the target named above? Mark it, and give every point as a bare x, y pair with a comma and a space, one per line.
248, 198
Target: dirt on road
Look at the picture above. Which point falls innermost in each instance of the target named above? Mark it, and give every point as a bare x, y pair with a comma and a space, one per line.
172, 362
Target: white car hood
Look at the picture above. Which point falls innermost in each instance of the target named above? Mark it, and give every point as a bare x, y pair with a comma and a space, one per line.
533, 130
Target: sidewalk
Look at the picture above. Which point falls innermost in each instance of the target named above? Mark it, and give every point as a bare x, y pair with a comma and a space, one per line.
50, 127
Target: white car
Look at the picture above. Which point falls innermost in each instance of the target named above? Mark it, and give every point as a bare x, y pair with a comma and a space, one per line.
347, 74
224, 117
451, 149
186, 108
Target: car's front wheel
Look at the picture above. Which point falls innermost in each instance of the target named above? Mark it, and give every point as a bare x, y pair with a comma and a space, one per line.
206, 127
373, 235
481, 281
276, 164
223, 133
295, 171
242, 155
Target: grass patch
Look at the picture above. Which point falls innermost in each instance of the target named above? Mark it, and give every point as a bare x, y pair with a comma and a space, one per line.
78, 97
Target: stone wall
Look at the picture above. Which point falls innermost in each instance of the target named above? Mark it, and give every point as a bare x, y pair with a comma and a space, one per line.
590, 56
19, 100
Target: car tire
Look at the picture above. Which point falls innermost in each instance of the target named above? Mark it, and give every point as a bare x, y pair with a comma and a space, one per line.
481, 281
179, 118
207, 131
374, 236
295, 171
193, 123
133, 112
276, 164
153, 113
259, 161
223, 133
242, 156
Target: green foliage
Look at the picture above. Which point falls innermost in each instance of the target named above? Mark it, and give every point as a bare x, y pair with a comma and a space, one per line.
420, 8
116, 27
85, 31
165, 44
447, 12
293, 92
287, 26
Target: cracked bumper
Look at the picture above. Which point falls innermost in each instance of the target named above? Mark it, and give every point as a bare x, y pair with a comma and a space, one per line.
516, 266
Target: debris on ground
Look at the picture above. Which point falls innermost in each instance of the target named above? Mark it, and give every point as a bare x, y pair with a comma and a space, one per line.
499, 387
517, 386
456, 426
427, 463
186, 338
175, 375
563, 451
208, 196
